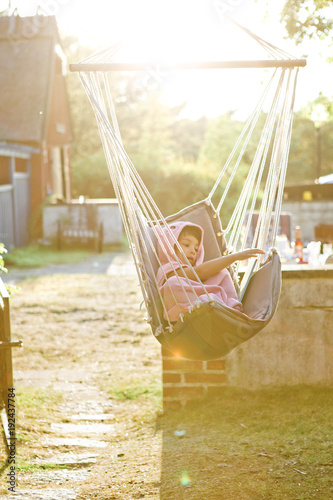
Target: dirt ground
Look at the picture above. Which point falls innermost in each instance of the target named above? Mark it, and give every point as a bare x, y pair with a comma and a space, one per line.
89, 412
79, 332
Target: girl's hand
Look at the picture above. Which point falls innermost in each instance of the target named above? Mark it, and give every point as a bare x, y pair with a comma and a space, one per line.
248, 253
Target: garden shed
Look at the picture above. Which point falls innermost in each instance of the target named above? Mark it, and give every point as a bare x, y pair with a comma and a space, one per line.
35, 128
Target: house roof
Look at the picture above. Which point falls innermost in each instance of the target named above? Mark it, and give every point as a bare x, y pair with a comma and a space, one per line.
27, 61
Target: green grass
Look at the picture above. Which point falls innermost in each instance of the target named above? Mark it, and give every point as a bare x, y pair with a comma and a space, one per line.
26, 466
268, 444
35, 410
34, 401
39, 256
35, 407
133, 388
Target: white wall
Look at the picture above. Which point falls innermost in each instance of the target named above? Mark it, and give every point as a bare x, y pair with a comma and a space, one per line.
107, 212
308, 214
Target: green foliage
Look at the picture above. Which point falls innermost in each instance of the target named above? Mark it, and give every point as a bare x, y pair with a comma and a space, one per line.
7, 11
2, 262
178, 158
91, 177
148, 142
320, 110
221, 135
188, 136
39, 256
307, 19
314, 119
302, 155
176, 185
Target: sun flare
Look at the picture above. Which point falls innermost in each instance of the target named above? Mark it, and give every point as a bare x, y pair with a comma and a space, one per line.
186, 30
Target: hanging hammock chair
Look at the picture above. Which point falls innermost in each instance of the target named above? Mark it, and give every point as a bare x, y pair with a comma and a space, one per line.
207, 330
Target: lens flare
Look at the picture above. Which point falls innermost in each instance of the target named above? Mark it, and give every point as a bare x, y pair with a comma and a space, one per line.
185, 479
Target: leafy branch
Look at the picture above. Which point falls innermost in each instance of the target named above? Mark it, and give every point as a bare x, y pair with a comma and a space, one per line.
3, 250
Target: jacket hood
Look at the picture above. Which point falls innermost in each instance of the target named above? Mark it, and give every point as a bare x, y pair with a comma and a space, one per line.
171, 233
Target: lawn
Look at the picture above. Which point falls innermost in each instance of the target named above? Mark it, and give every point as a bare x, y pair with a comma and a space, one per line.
266, 444
38, 256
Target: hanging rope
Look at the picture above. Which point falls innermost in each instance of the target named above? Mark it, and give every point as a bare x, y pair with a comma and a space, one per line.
145, 225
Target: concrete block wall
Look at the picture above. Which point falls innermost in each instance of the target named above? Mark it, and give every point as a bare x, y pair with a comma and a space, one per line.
296, 347
107, 212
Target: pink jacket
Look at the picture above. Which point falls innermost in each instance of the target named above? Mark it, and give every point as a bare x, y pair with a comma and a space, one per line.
180, 293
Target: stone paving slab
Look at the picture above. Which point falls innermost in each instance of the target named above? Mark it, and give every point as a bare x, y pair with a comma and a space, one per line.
87, 429
80, 393
69, 459
58, 476
81, 442
86, 406
73, 387
93, 417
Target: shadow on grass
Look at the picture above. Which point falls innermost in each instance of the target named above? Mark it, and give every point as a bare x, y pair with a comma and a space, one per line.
269, 444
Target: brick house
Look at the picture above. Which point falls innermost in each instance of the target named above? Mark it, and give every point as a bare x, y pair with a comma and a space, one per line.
35, 128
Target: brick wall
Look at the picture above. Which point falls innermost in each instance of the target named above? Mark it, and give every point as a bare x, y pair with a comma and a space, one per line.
185, 381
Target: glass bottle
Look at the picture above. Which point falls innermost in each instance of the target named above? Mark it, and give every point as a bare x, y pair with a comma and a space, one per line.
299, 245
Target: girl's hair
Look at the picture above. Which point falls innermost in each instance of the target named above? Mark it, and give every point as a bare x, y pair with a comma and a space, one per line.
191, 231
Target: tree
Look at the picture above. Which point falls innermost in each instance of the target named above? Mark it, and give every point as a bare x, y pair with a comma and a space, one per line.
86, 138
188, 136
307, 19
302, 154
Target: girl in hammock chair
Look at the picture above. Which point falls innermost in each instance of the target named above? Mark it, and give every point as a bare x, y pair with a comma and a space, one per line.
178, 281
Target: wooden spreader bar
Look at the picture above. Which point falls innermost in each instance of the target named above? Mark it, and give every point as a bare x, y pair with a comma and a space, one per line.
149, 66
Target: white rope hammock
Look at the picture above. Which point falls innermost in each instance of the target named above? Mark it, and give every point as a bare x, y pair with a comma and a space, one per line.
143, 221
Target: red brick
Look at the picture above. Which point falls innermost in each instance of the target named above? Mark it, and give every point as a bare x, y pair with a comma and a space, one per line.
205, 378
181, 391
171, 378
174, 404
215, 390
181, 364
216, 364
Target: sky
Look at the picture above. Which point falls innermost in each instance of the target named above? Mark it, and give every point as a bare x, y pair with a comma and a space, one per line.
197, 30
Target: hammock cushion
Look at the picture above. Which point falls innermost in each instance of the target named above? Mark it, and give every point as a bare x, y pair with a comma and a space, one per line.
212, 330
199, 213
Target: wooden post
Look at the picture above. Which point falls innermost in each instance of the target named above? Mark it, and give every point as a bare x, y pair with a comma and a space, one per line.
6, 367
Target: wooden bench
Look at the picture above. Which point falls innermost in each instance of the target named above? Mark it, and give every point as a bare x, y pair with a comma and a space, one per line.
7, 391
69, 231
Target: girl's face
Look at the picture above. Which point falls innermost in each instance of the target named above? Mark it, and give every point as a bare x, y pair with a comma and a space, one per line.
189, 245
